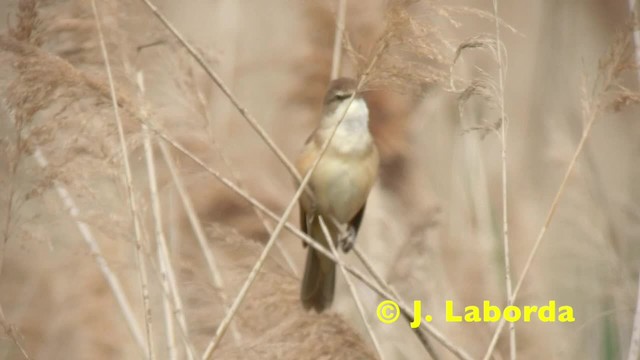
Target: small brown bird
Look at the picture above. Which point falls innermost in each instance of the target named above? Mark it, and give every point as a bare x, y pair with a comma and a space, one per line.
340, 184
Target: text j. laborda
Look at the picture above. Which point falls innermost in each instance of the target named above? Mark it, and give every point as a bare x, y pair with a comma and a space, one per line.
389, 311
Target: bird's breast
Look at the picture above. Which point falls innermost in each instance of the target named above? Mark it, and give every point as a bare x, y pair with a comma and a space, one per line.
342, 182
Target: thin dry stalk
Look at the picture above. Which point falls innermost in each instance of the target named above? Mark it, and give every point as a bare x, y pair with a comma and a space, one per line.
172, 348
337, 41
166, 270
612, 65
352, 289
173, 305
216, 276
129, 183
13, 333
159, 233
505, 213
166, 304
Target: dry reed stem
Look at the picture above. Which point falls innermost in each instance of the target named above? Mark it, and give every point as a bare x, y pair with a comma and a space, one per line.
218, 281
129, 183
352, 290
505, 213
166, 269
169, 296
159, 235
13, 333
163, 265
171, 293
337, 41
170, 333
591, 110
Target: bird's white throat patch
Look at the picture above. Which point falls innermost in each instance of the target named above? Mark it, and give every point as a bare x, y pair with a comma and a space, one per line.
353, 133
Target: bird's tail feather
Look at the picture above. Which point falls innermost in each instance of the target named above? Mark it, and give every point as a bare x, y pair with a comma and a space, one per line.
318, 283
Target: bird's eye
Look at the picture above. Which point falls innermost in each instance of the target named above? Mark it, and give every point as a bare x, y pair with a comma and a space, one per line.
343, 96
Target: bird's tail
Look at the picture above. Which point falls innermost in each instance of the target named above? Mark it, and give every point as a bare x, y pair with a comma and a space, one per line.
318, 283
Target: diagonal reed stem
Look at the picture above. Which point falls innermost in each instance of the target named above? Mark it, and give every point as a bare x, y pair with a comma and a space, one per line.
353, 290
405, 309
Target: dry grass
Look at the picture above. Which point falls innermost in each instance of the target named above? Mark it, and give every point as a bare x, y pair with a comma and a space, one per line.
441, 91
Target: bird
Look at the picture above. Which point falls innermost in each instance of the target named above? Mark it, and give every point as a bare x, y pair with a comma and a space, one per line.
340, 185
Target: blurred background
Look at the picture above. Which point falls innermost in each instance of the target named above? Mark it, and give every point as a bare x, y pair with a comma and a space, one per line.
433, 226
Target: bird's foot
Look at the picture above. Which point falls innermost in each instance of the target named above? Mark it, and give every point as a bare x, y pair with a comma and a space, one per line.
348, 240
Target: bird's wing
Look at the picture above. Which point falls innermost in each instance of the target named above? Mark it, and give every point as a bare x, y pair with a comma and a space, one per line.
357, 219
